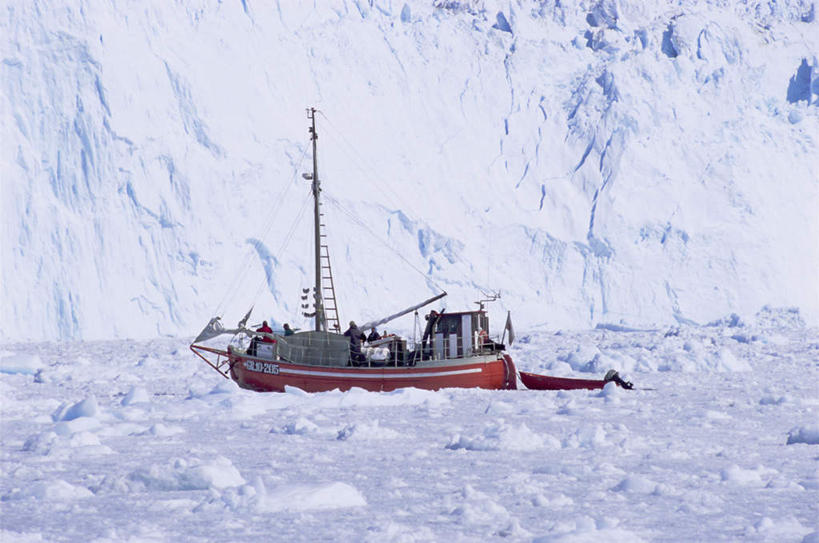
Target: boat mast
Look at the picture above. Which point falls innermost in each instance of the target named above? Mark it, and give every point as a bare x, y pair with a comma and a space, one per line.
320, 323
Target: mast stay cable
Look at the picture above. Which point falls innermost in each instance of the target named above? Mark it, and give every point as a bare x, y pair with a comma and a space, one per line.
367, 168
361, 223
287, 239
369, 171
241, 276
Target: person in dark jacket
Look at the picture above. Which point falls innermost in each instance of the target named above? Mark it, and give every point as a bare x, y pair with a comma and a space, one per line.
356, 337
373, 335
267, 330
432, 320
287, 330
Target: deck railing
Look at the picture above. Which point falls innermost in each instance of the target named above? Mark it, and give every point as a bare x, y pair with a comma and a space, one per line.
326, 349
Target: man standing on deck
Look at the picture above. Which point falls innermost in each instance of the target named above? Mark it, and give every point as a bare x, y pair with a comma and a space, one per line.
356, 336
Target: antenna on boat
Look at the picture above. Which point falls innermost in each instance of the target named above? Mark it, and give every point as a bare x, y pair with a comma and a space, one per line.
487, 298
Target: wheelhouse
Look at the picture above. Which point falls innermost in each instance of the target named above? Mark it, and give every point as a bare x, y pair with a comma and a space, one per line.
458, 335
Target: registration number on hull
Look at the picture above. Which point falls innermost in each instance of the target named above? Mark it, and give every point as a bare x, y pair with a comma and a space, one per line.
262, 367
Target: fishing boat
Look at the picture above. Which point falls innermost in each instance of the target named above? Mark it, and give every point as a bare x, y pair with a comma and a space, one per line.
454, 351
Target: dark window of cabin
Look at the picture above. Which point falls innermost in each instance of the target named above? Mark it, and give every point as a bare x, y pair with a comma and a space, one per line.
448, 324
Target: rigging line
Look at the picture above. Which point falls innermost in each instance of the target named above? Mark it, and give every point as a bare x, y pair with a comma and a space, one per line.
287, 239
239, 278
358, 221
381, 187
365, 167
282, 197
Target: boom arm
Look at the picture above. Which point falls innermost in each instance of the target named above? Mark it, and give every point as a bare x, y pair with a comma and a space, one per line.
373, 324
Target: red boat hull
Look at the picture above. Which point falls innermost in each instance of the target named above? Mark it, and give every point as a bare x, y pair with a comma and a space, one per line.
534, 381
273, 376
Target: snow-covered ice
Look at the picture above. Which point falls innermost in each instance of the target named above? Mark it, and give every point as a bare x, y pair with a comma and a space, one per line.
144, 442
20, 363
804, 434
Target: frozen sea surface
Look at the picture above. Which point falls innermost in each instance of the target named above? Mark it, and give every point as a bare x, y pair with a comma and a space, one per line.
137, 441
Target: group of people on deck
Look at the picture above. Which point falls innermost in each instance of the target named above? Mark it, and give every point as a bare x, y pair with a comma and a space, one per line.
355, 335
356, 338
268, 332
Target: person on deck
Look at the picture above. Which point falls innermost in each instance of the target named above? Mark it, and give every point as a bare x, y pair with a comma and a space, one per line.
432, 321
267, 330
481, 339
287, 330
373, 335
356, 336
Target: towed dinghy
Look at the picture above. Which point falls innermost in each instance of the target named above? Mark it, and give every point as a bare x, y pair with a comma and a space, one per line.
534, 381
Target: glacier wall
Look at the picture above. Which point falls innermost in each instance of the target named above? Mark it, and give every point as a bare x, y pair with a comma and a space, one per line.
622, 162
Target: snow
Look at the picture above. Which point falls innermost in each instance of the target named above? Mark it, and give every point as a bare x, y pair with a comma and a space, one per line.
589, 534
804, 434
195, 474
22, 363
499, 436
135, 396
50, 491
152, 444
85, 408
292, 498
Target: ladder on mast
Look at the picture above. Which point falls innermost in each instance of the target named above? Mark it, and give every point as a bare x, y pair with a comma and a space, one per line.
328, 293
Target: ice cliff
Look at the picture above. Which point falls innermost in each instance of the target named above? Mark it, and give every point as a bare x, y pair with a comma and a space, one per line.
626, 162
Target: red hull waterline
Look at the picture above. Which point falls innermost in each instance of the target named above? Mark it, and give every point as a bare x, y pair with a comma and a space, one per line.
534, 381
264, 375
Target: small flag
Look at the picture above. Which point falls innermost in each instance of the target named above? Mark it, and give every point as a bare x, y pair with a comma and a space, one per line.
213, 329
509, 327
